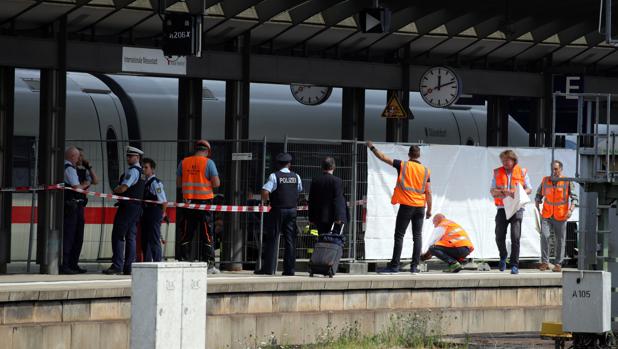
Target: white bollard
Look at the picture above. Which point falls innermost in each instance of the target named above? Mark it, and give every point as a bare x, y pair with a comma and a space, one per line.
168, 306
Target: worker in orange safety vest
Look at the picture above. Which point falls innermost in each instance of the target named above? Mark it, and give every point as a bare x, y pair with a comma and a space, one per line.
504, 182
450, 243
413, 194
197, 177
555, 197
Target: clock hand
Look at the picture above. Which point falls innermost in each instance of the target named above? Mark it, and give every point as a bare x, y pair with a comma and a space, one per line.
448, 83
439, 79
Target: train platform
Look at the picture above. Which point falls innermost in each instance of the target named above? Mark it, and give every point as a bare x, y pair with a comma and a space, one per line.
243, 309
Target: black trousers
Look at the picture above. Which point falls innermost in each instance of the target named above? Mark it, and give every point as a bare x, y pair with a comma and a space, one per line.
501, 227
449, 255
279, 220
405, 215
151, 233
197, 234
72, 235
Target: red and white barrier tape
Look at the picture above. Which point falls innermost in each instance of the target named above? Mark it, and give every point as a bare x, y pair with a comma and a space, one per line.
202, 207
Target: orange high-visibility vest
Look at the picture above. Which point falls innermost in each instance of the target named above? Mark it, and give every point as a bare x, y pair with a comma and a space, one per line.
411, 184
518, 176
454, 236
556, 202
195, 185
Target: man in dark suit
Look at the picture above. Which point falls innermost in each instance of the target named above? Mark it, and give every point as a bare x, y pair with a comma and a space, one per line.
326, 201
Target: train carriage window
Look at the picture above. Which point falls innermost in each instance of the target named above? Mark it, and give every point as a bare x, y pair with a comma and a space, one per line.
208, 95
113, 162
23, 161
34, 84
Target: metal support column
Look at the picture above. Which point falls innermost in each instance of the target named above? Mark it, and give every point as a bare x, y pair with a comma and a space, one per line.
535, 122
353, 113
51, 156
7, 113
189, 128
236, 128
497, 121
397, 129
189, 114
547, 112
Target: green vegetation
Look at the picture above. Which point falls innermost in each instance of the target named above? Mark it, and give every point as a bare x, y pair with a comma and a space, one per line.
409, 331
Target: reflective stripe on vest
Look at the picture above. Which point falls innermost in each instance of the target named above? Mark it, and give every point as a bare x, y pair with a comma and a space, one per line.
195, 185
454, 236
412, 194
518, 176
556, 199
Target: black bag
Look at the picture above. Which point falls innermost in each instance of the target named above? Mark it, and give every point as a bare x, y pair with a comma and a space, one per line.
327, 253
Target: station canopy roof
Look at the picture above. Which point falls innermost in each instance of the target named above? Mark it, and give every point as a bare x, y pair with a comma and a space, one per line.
520, 35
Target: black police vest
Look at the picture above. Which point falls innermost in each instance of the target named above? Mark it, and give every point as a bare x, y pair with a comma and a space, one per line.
286, 194
69, 195
136, 191
148, 195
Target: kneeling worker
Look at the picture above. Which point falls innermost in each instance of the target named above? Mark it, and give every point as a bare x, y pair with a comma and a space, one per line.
450, 243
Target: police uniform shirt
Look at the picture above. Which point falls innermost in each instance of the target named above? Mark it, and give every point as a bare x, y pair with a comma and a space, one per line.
156, 189
210, 170
271, 183
70, 174
131, 176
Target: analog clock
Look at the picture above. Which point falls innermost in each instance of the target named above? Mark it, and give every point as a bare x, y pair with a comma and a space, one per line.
440, 87
310, 94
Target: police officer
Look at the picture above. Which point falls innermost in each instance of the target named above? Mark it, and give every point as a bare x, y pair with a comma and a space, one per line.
73, 214
125, 223
86, 175
197, 175
153, 213
281, 191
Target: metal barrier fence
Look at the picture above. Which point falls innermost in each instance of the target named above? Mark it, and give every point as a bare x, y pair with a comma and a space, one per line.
108, 160
351, 166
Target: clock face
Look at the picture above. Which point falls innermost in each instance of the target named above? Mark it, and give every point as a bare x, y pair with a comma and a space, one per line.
440, 87
310, 94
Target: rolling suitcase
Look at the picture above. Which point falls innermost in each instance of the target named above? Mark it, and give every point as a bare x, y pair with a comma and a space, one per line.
326, 253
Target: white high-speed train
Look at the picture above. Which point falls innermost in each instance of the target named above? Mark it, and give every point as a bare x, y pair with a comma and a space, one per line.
103, 109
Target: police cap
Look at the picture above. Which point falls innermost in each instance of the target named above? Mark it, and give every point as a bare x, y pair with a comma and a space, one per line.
284, 158
134, 151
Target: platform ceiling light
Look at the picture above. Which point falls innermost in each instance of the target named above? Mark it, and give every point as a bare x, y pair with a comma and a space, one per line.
375, 19
182, 31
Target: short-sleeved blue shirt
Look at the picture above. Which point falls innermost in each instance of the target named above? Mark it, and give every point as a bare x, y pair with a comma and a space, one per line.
70, 174
156, 188
131, 176
271, 183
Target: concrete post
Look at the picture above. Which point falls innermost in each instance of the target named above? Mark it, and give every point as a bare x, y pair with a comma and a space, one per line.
168, 306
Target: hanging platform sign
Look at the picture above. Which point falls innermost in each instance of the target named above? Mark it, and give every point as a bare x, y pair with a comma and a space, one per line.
146, 60
394, 109
242, 156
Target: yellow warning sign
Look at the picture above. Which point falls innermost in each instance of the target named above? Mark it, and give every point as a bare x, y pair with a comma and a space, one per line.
394, 109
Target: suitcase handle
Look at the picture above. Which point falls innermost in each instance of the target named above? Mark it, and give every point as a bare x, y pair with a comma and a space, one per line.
332, 229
